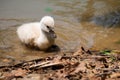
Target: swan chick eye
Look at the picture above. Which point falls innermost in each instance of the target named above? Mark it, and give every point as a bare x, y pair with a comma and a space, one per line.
48, 27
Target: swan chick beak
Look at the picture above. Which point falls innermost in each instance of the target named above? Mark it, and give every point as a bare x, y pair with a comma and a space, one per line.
53, 34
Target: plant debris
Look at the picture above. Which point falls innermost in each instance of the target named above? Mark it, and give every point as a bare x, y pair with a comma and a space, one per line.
80, 65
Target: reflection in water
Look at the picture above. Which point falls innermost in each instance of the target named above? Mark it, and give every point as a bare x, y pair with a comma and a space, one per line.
78, 22
108, 20
88, 16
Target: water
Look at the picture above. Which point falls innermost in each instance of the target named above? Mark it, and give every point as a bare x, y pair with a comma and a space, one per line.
89, 23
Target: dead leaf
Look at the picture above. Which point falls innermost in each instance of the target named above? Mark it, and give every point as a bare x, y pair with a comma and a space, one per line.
115, 75
19, 72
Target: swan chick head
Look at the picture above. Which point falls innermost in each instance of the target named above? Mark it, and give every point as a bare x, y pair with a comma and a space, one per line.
47, 23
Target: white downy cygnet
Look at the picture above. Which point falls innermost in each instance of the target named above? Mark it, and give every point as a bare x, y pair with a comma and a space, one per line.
38, 34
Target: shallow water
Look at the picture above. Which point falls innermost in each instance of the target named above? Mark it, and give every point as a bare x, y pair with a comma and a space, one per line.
90, 23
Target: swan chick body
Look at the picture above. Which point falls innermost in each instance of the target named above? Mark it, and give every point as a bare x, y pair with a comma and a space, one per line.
38, 34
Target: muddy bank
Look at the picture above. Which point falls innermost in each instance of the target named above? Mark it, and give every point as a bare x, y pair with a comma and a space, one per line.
82, 64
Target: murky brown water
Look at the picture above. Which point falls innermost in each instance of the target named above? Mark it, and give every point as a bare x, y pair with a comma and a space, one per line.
89, 23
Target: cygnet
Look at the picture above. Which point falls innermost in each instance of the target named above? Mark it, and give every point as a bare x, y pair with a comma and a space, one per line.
38, 34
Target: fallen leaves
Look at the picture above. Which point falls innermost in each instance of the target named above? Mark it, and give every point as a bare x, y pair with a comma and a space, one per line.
15, 73
83, 64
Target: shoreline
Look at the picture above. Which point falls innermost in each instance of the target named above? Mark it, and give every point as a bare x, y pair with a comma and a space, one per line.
82, 64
